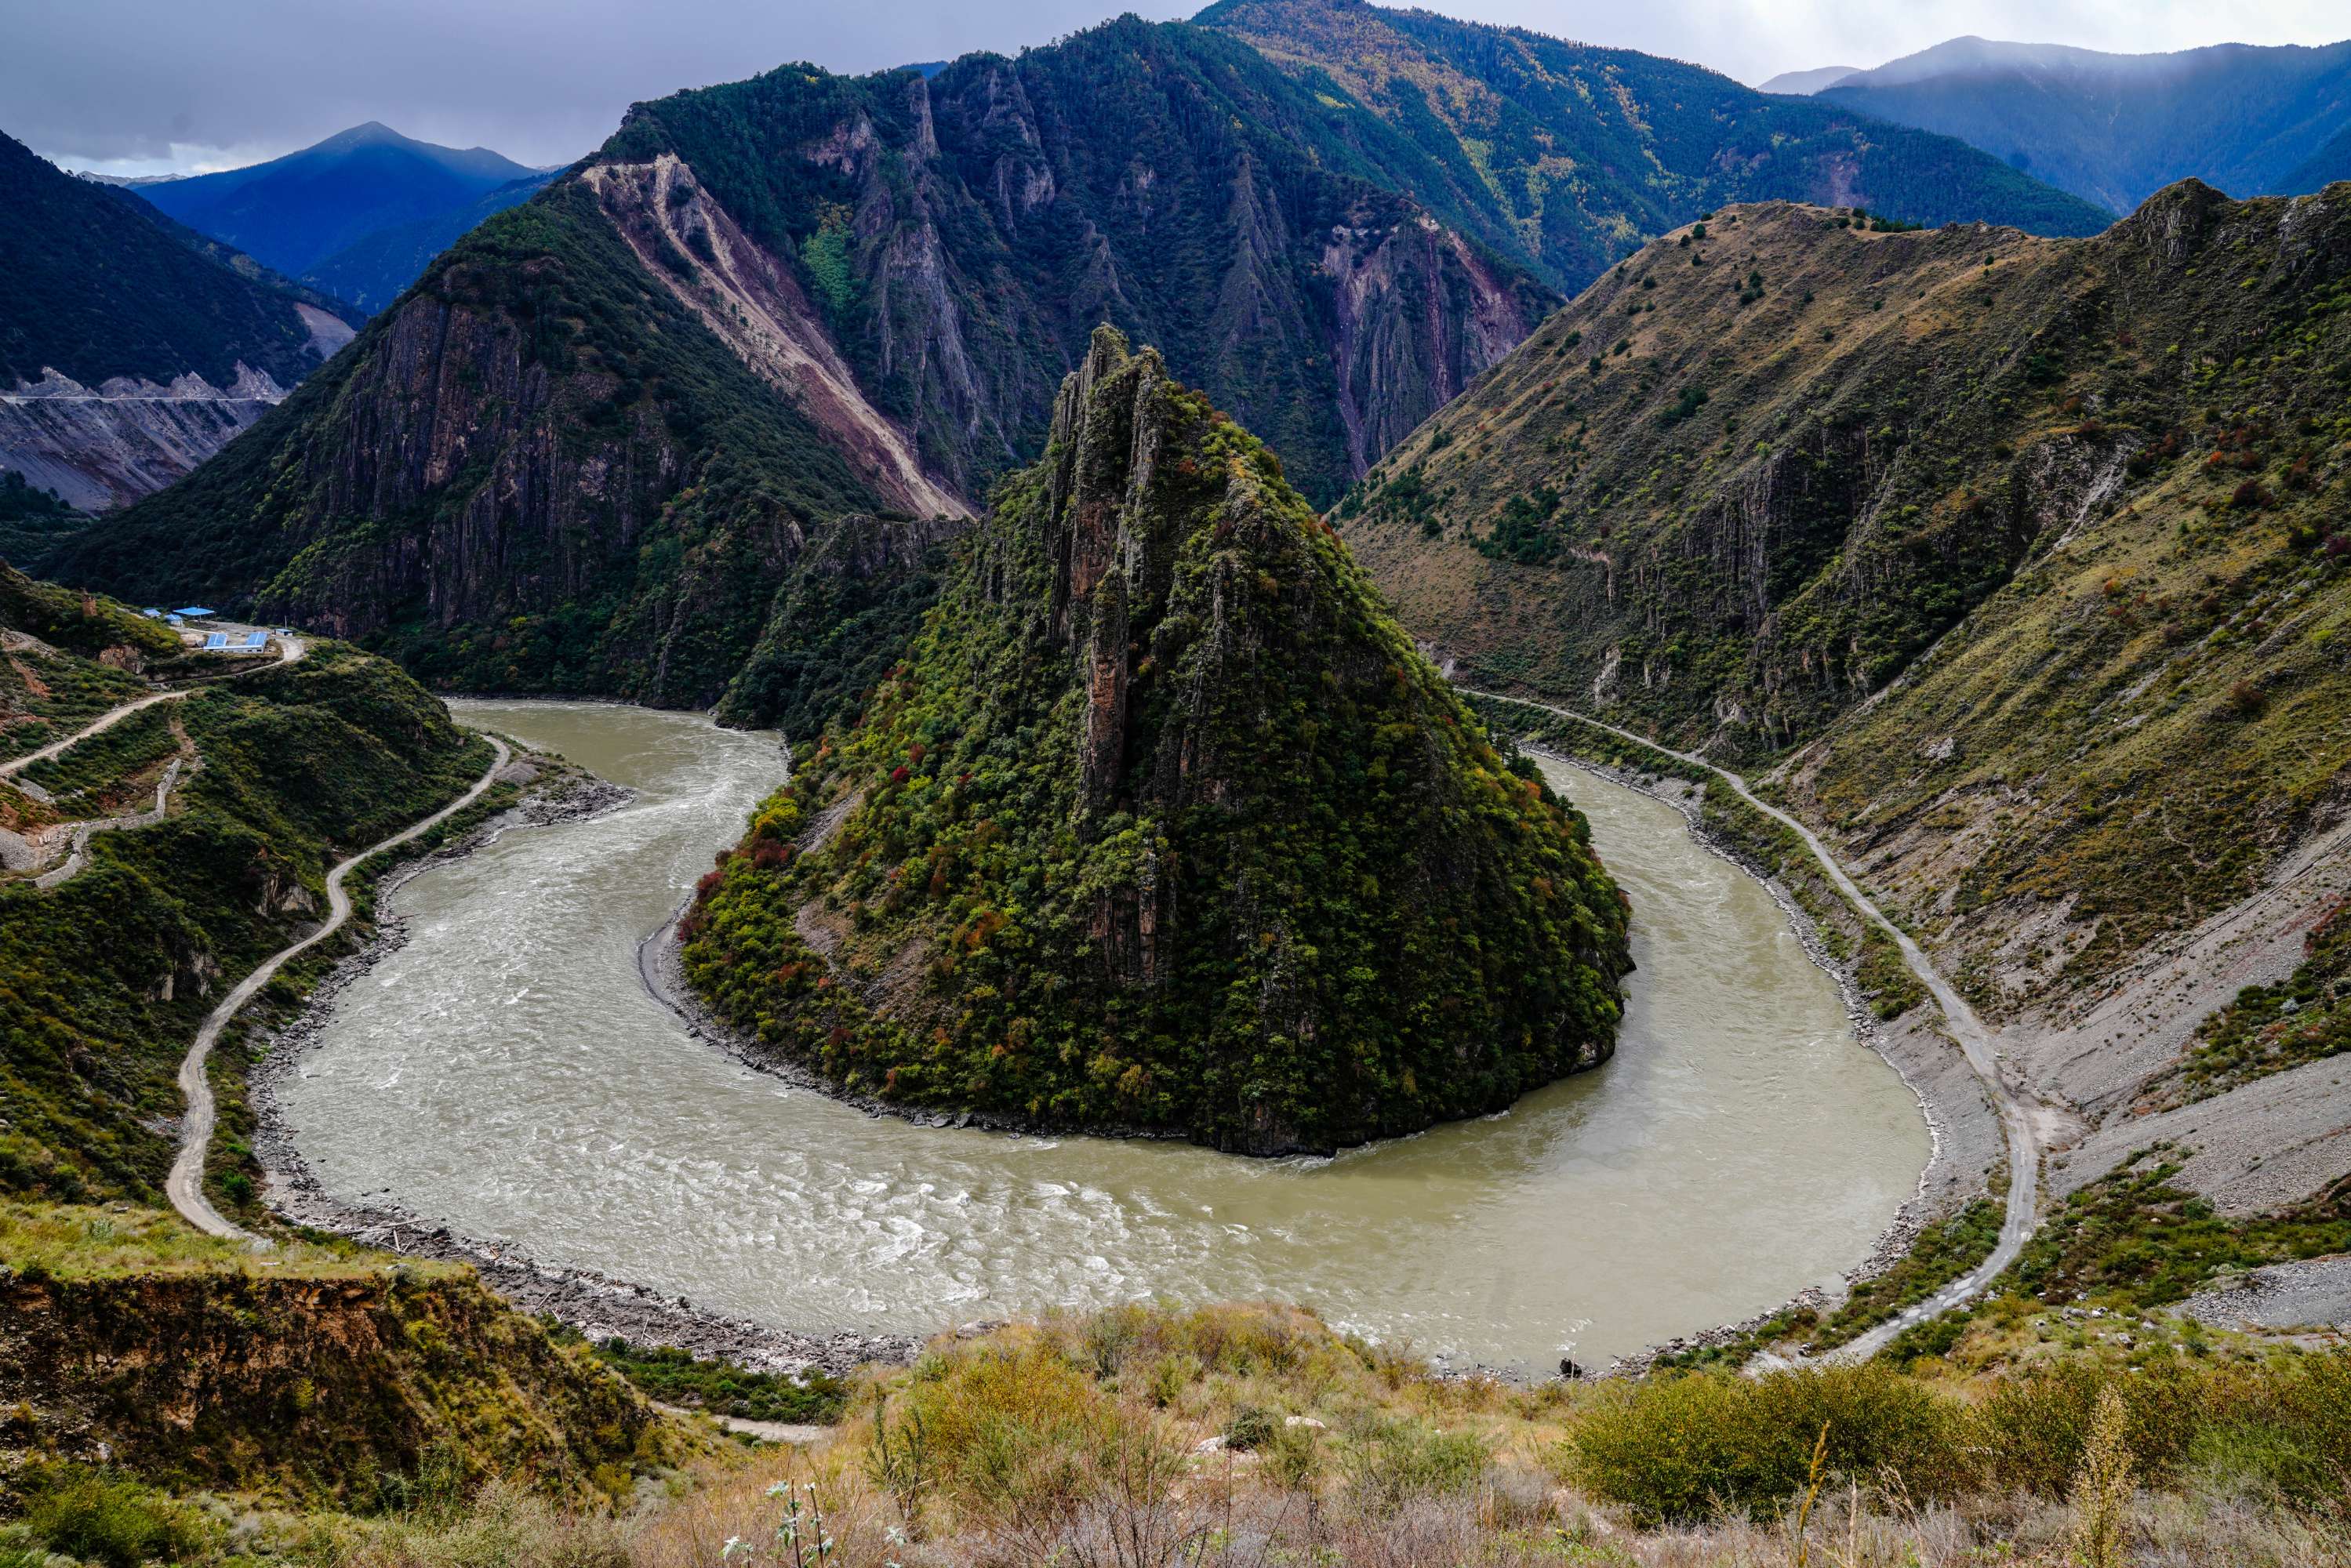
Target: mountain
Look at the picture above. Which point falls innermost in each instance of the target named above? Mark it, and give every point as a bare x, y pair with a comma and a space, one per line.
963, 233
372, 271
1569, 156
1803, 84
1163, 823
878, 284
542, 471
131, 349
2022, 565
2113, 129
294, 213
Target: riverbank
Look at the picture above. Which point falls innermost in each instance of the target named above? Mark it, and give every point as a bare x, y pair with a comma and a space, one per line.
1949, 1179
595, 1303
507, 1076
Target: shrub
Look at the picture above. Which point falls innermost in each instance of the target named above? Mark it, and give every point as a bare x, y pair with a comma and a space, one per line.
1684, 1447
1396, 1460
100, 1518
2035, 1429
1251, 1426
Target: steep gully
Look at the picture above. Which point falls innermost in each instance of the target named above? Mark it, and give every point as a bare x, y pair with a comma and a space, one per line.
1974, 1040
186, 1183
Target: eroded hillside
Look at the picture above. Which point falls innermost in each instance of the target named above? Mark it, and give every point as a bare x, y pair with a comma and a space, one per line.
2029, 556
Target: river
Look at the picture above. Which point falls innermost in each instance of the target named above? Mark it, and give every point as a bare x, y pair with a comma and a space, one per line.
505, 1072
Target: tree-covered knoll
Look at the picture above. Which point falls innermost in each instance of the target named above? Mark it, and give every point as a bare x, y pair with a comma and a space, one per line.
1163, 823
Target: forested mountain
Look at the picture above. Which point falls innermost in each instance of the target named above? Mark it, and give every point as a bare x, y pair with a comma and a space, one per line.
2115, 128
962, 235
1214, 851
358, 214
542, 472
1572, 155
130, 349
879, 283
371, 271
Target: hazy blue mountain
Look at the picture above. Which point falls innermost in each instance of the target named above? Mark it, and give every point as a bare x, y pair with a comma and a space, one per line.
294, 213
1803, 84
2115, 128
132, 346
371, 273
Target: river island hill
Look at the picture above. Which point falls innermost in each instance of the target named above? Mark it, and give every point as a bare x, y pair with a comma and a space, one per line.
1163, 825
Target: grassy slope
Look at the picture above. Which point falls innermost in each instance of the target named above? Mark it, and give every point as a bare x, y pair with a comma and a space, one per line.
2100, 478
104, 978
1363, 922
322, 1373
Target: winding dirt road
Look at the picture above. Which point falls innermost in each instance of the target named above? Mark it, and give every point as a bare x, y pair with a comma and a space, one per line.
289, 649
186, 1184
1974, 1040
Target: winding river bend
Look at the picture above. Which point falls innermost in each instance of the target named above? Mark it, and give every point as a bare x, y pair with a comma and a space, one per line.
505, 1073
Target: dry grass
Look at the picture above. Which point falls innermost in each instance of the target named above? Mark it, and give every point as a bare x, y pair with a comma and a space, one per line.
1251, 1437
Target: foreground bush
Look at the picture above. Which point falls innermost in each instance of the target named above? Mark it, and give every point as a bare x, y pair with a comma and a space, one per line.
1693, 1445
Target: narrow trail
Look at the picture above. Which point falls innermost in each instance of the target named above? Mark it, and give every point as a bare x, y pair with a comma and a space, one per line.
186, 1183
289, 650
77, 856
1973, 1037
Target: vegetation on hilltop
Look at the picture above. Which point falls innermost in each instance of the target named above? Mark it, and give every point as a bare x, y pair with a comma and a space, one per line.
2100, 479
1163, 823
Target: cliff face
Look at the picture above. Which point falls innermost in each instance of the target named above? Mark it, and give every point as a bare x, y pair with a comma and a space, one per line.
962, 233
1161, 824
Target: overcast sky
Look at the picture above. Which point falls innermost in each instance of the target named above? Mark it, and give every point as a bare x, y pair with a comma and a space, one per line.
148, 86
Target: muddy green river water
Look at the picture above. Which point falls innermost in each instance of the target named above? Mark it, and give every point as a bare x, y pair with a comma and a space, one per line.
505, 1073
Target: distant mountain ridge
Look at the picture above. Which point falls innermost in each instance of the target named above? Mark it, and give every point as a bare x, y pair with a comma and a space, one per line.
131, 347
1569, 155
2113, 129
358, 214
1803, 84
783, 326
